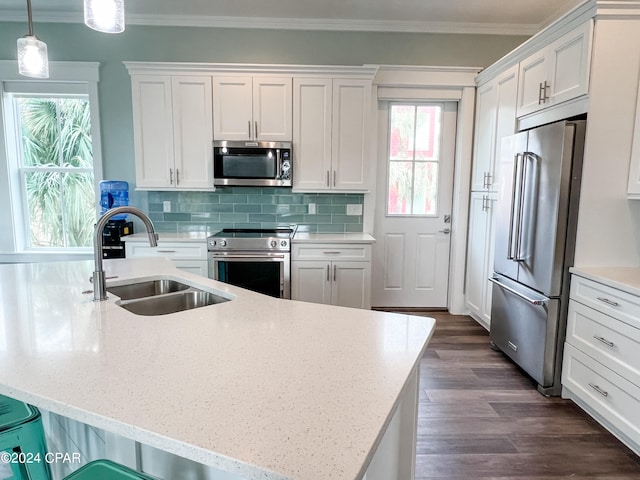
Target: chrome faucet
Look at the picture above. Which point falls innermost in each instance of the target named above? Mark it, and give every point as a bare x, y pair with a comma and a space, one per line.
99, 286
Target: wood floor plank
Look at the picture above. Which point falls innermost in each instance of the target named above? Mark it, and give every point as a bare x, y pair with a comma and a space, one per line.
481, 417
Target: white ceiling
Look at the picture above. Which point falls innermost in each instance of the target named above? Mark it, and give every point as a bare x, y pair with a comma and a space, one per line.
524, 17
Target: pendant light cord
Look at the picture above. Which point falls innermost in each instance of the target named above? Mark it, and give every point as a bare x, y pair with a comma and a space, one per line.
29, 17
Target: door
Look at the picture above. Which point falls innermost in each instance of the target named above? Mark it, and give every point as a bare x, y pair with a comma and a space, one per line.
413, 204
232, 108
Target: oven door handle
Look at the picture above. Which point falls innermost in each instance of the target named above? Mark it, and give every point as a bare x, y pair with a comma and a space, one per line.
245, 256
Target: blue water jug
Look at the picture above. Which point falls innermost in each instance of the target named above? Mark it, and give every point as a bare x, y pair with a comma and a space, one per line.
114, 193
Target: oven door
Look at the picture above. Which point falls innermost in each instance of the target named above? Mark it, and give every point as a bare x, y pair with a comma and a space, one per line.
263, 272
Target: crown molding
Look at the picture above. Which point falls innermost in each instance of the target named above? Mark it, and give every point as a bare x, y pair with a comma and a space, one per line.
355, 25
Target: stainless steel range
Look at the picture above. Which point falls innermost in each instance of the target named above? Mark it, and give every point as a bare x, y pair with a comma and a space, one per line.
255, 259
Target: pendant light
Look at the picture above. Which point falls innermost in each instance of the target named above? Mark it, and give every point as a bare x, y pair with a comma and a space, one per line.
32, 53
104, 15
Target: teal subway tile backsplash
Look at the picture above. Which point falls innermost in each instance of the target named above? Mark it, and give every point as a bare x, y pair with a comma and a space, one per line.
253, 207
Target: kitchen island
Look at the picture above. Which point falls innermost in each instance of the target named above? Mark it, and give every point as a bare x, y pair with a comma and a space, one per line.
258, 387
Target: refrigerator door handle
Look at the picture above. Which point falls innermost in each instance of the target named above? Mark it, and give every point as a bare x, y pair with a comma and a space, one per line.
533, 301
514, 182
521, 204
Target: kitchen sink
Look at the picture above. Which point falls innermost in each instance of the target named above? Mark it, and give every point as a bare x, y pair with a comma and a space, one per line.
172, 303
146, 289
162, 296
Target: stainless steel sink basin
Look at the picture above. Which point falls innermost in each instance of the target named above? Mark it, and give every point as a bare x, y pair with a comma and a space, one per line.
146, 289
172, 303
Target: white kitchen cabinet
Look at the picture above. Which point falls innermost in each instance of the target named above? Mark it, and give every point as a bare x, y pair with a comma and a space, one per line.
601, 367
333, 274
188, 256
331, 134
495, 119
557, 72
252, 108
480, 257
172, 125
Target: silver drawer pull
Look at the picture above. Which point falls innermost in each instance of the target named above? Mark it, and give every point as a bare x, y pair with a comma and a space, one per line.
609, 302
599, 390
604, 340
166, 251
331, 253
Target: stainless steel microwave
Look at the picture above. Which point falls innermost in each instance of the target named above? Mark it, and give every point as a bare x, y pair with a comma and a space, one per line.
266, 164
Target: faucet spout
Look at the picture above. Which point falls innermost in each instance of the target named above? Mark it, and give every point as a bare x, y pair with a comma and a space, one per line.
99, 284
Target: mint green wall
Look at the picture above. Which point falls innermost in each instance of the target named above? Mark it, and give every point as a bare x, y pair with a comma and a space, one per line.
69, 42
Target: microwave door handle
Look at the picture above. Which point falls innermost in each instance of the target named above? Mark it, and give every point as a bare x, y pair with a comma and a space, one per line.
278, 164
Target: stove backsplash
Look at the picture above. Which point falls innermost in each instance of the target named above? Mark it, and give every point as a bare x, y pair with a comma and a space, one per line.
253, 207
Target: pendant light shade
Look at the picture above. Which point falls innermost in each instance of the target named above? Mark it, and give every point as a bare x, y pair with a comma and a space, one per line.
32, 53
104, 15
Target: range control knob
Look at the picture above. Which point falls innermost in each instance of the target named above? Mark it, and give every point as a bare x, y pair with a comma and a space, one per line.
273, 244
283, 243
212, 243
222, 243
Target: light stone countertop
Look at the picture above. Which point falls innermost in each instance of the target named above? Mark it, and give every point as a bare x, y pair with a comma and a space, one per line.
626, 279
262, 387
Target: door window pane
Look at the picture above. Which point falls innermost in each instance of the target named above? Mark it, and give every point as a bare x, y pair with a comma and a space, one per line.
414, 150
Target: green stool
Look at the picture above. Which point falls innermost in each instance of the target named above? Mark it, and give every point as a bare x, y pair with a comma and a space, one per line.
106, 470
22, 438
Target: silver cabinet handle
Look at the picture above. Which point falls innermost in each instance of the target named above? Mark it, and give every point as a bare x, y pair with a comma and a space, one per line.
166, 251
602, 392
486, 181
609, 302
331, 253
328, 185
249, 125
540, 94
171, 176
177, 176
485, 203
334, 273
328, 270
334, 178
533, 301
256, 130
605, 341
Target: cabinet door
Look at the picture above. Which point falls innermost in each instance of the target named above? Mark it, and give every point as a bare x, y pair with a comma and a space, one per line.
311, 282
532, 75
272, 108
193, 132
569, 61
350, 135
477, 258
486, 107
152, 130
312, 133
232, 108
351, 284
507, 85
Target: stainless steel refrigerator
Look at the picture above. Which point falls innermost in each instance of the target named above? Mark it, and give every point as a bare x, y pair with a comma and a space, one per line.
536, 215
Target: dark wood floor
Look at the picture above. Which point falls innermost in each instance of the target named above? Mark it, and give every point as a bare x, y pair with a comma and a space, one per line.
480, 417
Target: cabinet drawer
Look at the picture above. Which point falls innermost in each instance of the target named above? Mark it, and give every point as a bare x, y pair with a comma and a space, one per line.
609, 300
185, 251
331, 251
611, 396
609, 341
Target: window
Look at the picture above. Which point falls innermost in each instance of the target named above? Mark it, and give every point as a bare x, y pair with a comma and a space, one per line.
55, 165
414, 150
50, 151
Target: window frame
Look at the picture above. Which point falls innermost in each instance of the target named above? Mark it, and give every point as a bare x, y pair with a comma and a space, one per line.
69, 78
415, 104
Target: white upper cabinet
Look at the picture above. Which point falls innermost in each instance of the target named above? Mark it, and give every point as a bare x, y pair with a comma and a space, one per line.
556, 73
173, 133
633, 190
252, 108
330, 134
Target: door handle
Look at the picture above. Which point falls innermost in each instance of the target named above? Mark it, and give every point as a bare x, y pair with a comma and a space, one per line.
446, 231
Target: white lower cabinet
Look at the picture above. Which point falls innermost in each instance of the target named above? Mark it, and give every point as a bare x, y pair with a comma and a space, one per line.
332, 274
601, 367
188, 256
